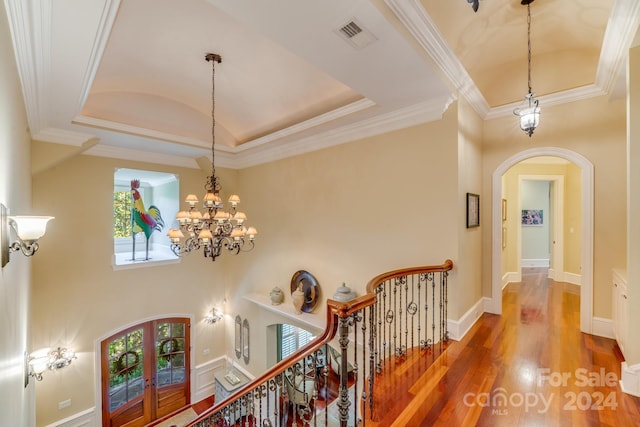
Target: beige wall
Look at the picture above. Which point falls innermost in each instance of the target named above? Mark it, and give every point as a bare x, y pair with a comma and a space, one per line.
16, 401
469, 259
632, 351
594, 128
348, 213
572, 219
79, 298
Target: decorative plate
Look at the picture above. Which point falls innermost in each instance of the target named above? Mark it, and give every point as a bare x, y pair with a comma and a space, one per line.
310, 288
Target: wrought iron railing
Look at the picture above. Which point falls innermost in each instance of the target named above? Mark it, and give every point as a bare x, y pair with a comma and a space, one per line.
321, 385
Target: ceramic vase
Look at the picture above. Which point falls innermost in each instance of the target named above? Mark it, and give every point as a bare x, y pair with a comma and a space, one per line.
276, 296
344, 294
298, 299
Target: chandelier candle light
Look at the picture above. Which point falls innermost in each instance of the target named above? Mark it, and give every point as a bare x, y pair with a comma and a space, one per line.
216, 228
530, 113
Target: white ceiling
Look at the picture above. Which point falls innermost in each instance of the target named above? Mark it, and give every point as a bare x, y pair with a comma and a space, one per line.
128, 79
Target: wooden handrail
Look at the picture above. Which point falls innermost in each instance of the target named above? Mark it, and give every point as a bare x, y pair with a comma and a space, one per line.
335, 310
373, 283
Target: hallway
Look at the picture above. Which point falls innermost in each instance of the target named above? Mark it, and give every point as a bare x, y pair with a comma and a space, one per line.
529, 367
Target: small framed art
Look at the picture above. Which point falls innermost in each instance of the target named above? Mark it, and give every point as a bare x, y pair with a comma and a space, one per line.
473, 210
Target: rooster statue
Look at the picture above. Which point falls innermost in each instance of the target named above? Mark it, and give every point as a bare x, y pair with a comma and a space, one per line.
145, 221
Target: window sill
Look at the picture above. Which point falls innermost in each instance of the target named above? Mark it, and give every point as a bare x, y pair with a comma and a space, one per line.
123, 261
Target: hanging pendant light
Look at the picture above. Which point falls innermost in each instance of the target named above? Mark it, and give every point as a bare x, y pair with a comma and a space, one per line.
216, 228
530, 112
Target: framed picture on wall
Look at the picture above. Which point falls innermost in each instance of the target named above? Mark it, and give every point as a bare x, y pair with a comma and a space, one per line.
532, 217
504, 209
504, 237
473, 210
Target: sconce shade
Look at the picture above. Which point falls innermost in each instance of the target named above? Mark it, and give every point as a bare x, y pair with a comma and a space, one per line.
43, 359
40, 360
30, 228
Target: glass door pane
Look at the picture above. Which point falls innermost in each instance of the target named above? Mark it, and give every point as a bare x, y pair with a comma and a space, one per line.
170, 353
126, 366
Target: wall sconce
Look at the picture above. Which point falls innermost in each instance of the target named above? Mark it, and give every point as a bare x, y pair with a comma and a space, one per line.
28, 229
41, 360
213, 316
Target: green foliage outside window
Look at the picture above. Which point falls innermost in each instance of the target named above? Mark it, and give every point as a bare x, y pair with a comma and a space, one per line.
121, 214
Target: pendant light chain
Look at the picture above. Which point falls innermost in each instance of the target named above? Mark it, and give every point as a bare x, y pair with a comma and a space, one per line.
529, 113
529, 45
212, 181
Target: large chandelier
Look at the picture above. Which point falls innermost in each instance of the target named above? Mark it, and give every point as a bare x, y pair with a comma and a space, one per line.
215, 228
530, 113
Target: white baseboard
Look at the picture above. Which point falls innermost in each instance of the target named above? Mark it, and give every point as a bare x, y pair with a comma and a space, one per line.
563, 276
511, 277
534, 262
602, 327
459, 328
86, 418
630, 382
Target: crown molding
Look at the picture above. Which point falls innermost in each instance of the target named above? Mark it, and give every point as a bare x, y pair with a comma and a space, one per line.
399, 119
327, 117
417, 21
103, 150
144, 132
30, 26
571, 95
62, 136
107, 19
621, 29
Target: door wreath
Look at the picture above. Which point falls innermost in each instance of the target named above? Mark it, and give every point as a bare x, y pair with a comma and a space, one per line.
126, 365
166, 347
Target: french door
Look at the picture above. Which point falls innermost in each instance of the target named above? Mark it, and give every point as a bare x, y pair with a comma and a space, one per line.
145, 372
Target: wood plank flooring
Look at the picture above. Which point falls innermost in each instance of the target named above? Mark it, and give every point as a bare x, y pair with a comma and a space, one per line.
529, 367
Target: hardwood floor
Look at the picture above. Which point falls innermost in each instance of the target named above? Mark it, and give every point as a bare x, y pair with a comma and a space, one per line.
529, 367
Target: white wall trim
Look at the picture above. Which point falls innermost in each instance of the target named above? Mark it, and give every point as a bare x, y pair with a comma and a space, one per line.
534, 262
459, 328
203, 380
603, 327
81, 419
630, 382
509, 277
572, 278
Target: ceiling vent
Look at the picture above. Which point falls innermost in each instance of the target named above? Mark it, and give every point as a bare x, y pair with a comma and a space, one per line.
356, 34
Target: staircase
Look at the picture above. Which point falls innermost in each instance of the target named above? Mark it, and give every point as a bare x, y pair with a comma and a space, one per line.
331, 381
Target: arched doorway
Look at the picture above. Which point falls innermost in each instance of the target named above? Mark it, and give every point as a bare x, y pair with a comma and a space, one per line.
145, 371
586, 289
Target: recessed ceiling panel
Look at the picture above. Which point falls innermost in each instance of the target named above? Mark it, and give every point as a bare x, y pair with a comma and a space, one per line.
153, 75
